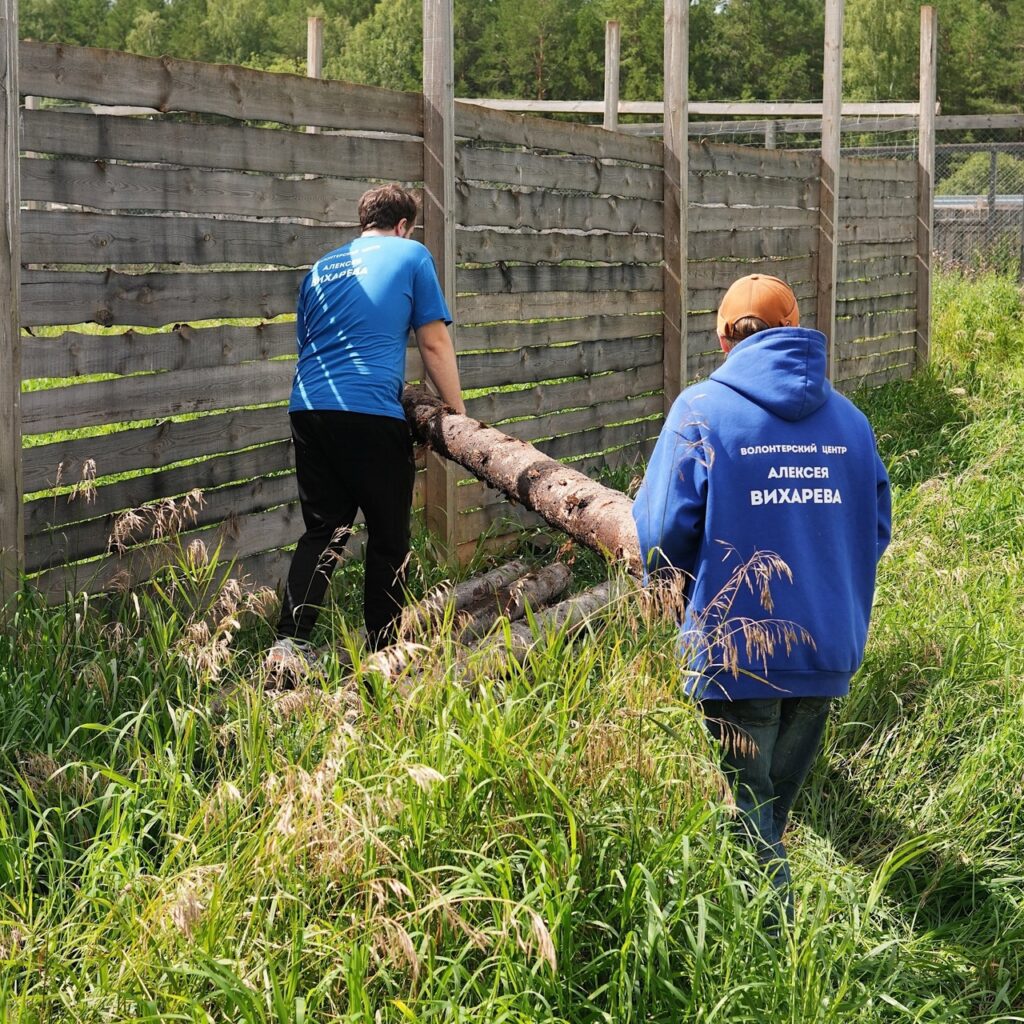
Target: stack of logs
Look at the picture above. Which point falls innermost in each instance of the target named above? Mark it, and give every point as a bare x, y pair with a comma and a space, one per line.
593, 515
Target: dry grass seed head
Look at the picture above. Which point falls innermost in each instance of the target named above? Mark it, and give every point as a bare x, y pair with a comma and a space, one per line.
86, 486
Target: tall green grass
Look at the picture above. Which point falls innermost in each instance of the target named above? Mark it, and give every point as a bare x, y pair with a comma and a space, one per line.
547, 844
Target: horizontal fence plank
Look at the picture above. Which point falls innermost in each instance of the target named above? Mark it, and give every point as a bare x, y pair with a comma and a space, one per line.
747, 218
552, 332
75, 541
867, 188
492, 246
188, 348
548, 278
890, 229
499, 406
52, 512
542, 209
64, 236
525, 306
716, 158
859, 327
715, 275
108, 186
854, 276
239, 537
753, 244
747, 190
475, 122
876, 304
234, 147
858, 168
851, 351
167, 84
854, 251
878, 208
145, 397
495, 369
895, 372
599, 438
865, 366
57, 297
516, 167
151, 447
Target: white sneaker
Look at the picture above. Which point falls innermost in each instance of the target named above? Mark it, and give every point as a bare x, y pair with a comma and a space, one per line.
289, 658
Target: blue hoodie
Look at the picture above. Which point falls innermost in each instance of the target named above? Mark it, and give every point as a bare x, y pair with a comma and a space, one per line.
766, 457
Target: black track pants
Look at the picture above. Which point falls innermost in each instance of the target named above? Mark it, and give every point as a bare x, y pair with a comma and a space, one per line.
346, 461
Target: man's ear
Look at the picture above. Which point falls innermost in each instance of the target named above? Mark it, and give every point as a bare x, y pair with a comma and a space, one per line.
725, 343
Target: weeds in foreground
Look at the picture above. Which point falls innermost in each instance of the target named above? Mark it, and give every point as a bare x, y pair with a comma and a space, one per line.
550, 844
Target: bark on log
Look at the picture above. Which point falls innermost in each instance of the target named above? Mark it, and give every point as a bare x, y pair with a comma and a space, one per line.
596, 516
534, 590
430, 611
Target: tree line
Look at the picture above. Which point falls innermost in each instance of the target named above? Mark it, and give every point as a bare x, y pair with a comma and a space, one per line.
554, 49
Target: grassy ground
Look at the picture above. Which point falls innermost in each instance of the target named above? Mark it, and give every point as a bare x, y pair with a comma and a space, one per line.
548, 845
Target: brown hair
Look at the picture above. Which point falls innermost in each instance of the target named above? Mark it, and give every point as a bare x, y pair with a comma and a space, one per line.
383, 207
745, 327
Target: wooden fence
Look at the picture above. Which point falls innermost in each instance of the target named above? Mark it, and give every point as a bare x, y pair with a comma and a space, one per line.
184, 231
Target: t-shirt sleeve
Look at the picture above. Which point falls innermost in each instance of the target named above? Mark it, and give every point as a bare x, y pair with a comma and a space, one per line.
427, 298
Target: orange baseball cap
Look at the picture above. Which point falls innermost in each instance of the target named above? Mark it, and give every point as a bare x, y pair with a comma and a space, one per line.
768, 298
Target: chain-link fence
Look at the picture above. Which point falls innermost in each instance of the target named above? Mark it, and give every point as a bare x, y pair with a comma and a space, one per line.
979, 179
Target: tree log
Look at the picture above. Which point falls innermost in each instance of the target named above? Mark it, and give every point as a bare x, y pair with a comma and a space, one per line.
596, 516
534, 590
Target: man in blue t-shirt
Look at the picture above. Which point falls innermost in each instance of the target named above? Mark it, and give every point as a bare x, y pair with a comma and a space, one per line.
766, 503
353, 449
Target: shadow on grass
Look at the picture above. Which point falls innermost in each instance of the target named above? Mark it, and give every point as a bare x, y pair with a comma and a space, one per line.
919, 424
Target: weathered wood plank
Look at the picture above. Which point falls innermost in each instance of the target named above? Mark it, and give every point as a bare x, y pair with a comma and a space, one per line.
892, 229
63, 236
855, 275
152, 447
757, 244
873, 380
524, 306
517, 167
892, 285
850, 352
220, 146
868, 188
860, 327
541, 209
548, 278
239, 537
853, 251
747, 190
495, 369
554, 332
715, 275
77, 541
56, 297
859, 168
146, 397
491, 246
109, 186
48, 513
167, 84
74, 355
477, 123
748, 218
542, 399
864, 366
716, 158
874, 304
879, 208
599, 438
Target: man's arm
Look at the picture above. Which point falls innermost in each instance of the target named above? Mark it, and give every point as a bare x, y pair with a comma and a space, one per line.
438, 352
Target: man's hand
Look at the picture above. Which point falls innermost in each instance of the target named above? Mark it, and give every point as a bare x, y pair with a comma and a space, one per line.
438, 352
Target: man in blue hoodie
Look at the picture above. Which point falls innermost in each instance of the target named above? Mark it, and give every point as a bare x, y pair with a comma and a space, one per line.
765, 501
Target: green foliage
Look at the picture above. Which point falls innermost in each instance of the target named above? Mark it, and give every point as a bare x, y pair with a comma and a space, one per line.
974, 176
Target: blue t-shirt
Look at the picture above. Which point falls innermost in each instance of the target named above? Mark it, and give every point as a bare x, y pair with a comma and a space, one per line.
356, 307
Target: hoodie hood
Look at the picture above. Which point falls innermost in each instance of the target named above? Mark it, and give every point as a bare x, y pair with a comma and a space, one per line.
781, 369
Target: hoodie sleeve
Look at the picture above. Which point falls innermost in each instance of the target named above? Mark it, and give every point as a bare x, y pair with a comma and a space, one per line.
884, 505
669, 507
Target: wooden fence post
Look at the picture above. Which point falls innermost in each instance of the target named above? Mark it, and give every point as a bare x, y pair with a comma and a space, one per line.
925, 183
439, 224
612, 50
12, 533
676, 196
314, 55
828, 207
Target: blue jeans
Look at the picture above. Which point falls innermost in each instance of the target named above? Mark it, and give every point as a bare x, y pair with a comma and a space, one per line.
768, 747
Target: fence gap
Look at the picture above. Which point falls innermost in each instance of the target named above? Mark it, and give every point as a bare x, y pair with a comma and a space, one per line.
676, 196
439, 224
926, 183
